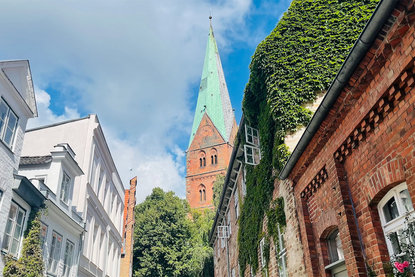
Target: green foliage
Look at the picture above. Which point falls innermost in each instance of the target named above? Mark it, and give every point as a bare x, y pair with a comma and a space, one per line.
276, 217
290, 67
30, 263
169, 239
217, 190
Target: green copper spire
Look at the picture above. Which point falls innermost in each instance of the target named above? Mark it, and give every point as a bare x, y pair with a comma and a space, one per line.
213, 96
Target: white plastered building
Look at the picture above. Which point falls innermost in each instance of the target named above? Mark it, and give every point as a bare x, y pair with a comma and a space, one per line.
62, 226
17, 195
98, 195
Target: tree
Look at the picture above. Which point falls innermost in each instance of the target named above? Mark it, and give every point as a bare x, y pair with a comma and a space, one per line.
30, 263
217, 189
202, 256
162, 236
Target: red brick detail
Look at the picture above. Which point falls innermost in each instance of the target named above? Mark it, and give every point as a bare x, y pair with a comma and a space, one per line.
315, 184
126, 262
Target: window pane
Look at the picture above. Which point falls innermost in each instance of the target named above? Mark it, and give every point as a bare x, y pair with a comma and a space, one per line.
13, 249
390, 210
406, 200
332, 247
394, 239
3, 114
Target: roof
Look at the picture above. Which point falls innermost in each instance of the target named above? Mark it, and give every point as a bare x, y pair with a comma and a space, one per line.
361, 46
213, 97
35, 160
58, 123
18, 75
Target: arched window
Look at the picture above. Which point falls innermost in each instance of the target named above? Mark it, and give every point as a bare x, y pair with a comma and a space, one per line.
393, 210
216, 159
211, 158
336, 257
202, 193
202, 159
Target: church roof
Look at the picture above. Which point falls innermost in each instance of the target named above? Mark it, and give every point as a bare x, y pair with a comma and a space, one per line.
213, 96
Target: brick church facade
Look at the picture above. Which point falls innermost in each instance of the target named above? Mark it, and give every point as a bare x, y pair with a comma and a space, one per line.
213, 132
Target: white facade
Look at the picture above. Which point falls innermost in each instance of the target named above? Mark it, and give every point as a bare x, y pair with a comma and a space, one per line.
62, 226
98, 195
17, 105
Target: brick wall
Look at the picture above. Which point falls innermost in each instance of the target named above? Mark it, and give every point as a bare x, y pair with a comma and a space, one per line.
365, 147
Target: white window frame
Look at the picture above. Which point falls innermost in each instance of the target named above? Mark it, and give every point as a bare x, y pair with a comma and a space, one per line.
13, 224
4, 124
236, 203
229, 222
252, 154
335, 251
68, 258
55, 252
65, 190
397, 224
43, 237
261, 252
282, 254
252, 136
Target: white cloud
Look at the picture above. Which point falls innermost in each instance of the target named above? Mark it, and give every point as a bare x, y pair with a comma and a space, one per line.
132, 62
46, 115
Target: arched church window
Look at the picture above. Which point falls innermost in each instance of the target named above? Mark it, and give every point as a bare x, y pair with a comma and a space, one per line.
202, 193
216, 159
395, 209
211, 158
204, 161
201, 162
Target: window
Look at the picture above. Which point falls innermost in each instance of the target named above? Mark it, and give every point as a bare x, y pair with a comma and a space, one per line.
55, 252
394, 207
251, 135
261, 251
8, 123
229, 222
216, 159
65, 188
281, 254
336, 257
43, 236
236, 200
67, 261
204, 161
252, 154
1, 195
202, 193
243, 185
14, 229
334, 245
211, 158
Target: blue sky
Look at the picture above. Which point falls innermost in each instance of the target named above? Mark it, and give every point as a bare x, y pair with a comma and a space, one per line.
137, 64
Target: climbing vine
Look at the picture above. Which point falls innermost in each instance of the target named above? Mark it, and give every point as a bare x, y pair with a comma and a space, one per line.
30, 263
297, 61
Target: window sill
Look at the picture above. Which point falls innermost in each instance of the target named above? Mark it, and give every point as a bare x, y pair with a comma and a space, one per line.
5, 253
335, 264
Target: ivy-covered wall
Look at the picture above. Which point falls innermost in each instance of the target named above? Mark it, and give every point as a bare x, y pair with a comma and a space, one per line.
297, 61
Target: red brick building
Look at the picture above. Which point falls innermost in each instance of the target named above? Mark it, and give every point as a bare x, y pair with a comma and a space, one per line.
213, 131
126, 265
353, 171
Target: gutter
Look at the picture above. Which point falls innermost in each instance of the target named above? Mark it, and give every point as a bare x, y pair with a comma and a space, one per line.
227, 177
360, 48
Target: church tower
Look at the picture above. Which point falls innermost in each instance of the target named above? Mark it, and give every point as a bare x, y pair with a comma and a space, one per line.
213, 132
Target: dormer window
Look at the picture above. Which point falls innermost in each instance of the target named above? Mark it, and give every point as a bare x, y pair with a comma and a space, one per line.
65, 188
8, 123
